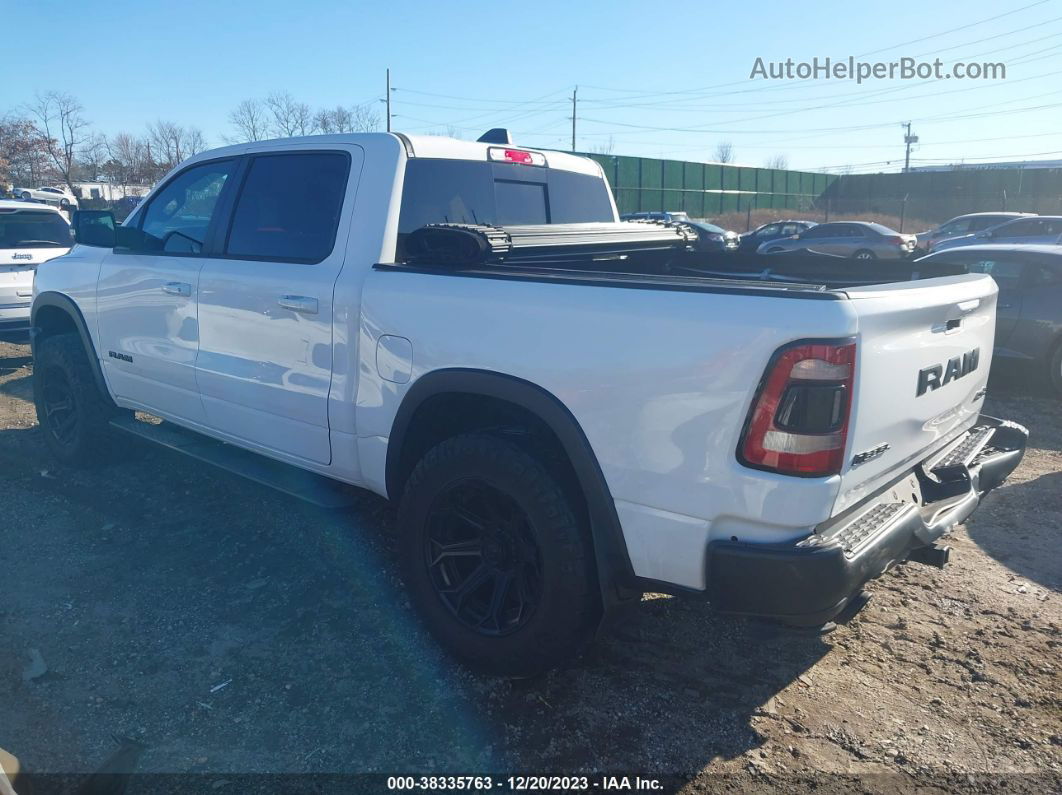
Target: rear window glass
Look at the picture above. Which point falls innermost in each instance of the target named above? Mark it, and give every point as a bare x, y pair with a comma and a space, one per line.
468, 192
28, 229
289, 207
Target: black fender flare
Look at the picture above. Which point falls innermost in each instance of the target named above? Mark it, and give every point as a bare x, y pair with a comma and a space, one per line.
70, 308
615, 572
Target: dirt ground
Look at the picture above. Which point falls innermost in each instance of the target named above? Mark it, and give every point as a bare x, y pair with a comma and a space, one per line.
236, 630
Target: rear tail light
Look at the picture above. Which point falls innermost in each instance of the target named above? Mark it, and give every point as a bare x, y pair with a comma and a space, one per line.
895, 240
798, 423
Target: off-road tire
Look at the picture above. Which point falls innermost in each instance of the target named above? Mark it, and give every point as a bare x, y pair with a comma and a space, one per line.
568, 608
60, 362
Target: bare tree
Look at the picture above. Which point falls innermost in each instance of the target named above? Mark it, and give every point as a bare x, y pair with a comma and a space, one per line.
605, 148
288, 116
778, 161
724, 152
356, 118
249, 119
128, 160
91, 157
61, 123
170, 143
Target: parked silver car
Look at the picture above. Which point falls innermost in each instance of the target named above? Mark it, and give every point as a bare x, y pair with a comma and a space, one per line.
964, 225
855, 239
1034, 230
48, 194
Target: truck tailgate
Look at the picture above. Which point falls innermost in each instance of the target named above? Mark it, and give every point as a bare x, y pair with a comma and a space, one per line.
924, 351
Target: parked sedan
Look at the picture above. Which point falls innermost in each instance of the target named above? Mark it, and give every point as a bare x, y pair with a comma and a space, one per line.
1033, 230
50, 195
750, 241
1029, 307
964, 225
713, 238
855, 239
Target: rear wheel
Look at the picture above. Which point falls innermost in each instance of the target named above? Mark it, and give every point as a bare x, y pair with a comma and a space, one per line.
64, 202
26, 195
495, 559
71, 410
864, 254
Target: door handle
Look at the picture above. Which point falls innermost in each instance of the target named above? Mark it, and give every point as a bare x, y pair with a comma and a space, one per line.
299, 303
177, 288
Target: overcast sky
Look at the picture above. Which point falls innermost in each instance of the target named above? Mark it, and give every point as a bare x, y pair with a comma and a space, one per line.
655, 79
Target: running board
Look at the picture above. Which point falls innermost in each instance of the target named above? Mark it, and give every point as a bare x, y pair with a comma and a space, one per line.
308, 486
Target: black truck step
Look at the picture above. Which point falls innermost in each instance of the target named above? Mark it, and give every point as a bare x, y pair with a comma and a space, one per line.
308, 486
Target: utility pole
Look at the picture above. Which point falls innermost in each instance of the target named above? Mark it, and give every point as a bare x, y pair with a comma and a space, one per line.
388, 100
575, 93
908, 139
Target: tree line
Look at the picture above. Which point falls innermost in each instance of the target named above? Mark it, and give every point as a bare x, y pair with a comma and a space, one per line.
50, 140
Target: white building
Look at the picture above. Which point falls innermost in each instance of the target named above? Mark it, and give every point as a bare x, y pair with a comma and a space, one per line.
107, 191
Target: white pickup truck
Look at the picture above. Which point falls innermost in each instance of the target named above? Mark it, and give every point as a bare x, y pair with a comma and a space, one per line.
566, 411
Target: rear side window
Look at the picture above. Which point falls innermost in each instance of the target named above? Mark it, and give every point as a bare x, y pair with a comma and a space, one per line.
470, 192
288, 207
32, 229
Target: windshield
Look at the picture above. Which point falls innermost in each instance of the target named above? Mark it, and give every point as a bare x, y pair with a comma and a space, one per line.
31, 229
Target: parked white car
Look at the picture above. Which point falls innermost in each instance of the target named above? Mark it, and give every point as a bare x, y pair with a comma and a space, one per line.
29, 235
565, 417
52, 195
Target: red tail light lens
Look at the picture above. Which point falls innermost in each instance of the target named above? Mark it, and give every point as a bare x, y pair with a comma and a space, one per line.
798, 424
520, 156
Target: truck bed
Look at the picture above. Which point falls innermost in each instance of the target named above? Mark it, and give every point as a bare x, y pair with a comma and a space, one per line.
646, 256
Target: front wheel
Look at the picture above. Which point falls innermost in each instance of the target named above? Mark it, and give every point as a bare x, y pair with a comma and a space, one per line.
864, 254
26, 196
64, 202
495, 558
71, 410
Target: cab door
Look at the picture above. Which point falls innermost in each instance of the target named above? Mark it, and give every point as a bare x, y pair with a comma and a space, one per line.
265, 358
148, 291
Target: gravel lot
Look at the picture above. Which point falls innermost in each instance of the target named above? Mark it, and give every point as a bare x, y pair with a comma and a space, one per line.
237, 630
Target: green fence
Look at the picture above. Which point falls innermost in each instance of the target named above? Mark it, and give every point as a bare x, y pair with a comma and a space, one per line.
940, 195
704, 190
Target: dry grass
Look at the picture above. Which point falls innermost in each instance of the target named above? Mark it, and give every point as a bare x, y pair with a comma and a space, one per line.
739, 221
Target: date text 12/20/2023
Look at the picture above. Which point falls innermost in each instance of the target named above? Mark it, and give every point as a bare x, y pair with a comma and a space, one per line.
523, 783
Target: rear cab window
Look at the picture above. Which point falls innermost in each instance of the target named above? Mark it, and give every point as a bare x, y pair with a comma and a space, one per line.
439, 191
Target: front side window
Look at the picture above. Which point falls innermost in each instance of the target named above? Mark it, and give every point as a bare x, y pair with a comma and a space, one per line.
823, 230
956, 227
289, 206
768, 231
177, 219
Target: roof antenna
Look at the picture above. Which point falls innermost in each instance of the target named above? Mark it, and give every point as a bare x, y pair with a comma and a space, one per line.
497, 135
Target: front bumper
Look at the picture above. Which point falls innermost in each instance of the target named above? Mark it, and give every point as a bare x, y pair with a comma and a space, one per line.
809, 581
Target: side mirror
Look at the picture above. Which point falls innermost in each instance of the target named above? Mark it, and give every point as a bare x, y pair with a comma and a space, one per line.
95, 228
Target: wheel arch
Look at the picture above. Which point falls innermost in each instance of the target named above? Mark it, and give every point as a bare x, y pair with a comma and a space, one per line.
615, 573
54, 313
